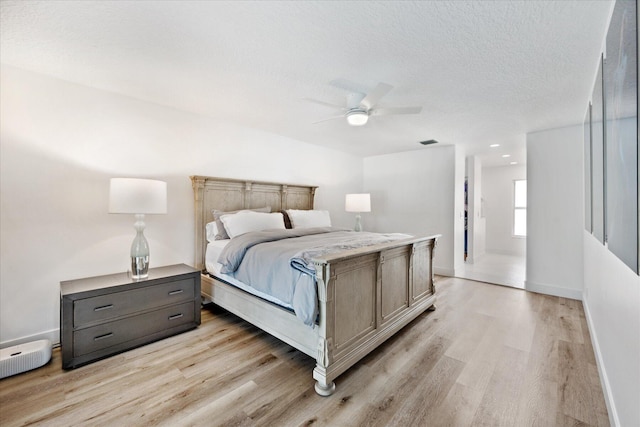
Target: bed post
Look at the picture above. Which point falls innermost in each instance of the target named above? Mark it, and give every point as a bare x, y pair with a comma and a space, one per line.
198, 194
283, 196
433, 276
247, 195
324, 386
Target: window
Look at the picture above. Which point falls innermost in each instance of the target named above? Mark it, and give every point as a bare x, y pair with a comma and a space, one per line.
520, 208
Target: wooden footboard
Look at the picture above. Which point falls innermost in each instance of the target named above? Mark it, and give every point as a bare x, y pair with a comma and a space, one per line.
365, 296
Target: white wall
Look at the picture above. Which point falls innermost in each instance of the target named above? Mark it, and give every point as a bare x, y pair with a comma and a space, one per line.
497, 191
60, 144
413, 192
612, 306
554, 212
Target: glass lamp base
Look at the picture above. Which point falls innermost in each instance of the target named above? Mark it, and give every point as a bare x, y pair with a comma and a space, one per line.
139, 267
358, 226
139, 251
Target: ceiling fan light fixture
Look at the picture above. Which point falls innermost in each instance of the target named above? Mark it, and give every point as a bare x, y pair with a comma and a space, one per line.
357, 117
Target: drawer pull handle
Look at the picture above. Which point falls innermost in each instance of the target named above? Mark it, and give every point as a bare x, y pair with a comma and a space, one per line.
175, 316
101, 337
179, 291
103, 307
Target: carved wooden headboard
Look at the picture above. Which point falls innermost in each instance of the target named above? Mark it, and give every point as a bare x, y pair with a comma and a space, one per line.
234, 194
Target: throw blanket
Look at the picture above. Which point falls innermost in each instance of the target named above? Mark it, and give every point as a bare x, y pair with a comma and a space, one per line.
279, 262
303, 260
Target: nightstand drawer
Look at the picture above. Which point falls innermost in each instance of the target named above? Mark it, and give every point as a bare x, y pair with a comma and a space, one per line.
99, 308
120, 331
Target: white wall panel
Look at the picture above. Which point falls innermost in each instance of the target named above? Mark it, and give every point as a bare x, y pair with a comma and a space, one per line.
555, 212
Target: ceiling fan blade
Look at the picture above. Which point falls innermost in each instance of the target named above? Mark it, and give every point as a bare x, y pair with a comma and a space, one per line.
348, 85
398, 110
326, 104
327, 119
374, 96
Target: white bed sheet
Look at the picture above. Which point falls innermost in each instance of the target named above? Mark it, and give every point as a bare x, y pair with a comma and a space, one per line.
213, 267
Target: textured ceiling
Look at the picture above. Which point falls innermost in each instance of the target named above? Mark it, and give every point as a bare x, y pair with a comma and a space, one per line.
483, 71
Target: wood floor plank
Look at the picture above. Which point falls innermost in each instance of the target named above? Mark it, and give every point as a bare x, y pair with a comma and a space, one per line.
458, 408
538, 402
219, 411
433, 388
523, 327
464, 346
477, 372
499, 405
574, 385
398, 389
489, 355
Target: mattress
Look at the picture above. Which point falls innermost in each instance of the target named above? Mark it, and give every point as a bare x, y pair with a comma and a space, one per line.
213, 267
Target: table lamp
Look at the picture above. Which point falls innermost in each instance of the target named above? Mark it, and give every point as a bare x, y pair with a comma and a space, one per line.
138, 197
358, 203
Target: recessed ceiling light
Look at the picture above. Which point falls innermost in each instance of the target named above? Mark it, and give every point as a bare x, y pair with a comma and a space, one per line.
494, 145
506, 155
513, 163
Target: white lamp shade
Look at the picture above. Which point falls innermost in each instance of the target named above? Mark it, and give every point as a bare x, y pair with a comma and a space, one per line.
358, 202
137, 196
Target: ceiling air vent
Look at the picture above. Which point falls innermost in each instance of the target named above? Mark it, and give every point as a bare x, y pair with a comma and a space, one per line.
429, 142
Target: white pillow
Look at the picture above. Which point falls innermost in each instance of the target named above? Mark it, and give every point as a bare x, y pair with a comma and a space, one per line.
246, 221
211, 229
308, 219
221, 233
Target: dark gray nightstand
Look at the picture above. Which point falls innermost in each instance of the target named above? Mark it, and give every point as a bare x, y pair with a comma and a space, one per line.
104, 315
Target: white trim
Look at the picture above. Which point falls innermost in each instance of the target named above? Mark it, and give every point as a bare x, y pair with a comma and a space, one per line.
52, 335
604, 379
553, 290
441, 271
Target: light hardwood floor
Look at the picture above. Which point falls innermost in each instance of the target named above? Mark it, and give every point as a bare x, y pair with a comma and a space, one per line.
489, 355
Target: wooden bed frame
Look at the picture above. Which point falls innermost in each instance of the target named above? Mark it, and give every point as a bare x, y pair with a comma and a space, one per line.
364, 295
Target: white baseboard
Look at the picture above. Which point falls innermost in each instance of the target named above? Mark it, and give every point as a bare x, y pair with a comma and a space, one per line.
602, 372
449, 272
53, 335
553, 290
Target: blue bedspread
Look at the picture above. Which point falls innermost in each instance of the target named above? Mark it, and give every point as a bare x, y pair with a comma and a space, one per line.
279, 262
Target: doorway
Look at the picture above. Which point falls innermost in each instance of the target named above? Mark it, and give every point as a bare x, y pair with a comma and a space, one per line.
494, 242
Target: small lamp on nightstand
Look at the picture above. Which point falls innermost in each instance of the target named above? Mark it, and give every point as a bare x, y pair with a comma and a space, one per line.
138, 197
358, 203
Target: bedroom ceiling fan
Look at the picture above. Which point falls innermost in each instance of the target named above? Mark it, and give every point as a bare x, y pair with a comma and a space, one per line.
361, 106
